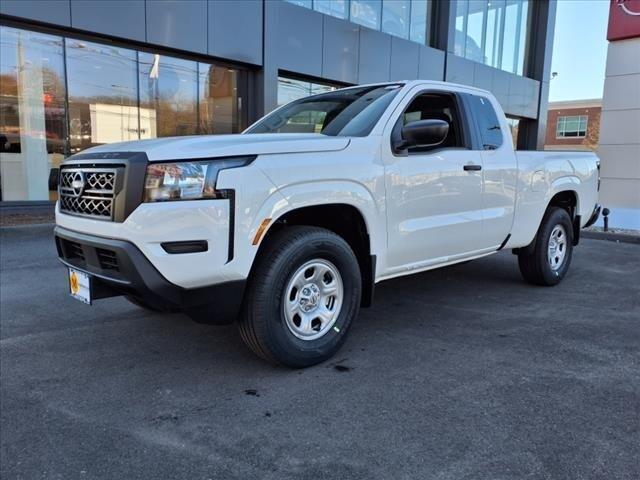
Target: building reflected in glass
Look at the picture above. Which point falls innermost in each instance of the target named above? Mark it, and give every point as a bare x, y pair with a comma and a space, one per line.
33, 126
59, 96
103, 94
290, 89
493, 33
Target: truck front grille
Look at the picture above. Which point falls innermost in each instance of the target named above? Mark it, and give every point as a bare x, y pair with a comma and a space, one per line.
88, 192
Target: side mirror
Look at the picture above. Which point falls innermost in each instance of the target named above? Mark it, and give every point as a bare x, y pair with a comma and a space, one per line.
424, 133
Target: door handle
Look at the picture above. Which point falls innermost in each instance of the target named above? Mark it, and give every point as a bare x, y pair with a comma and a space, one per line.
472, 167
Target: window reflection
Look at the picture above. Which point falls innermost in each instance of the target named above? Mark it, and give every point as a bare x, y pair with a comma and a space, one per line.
290, 89
509, 48
475, 21
366, 12
493, 33
395, 17
571, 126
168, 94
514, 125
401, 18
488, 123
302, 3
335, 8
114, 94
103, 94
522, 36
495, 15
462, 7
221, 105
419, 22
32, 114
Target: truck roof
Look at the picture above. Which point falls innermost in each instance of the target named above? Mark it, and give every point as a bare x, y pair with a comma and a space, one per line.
411, 83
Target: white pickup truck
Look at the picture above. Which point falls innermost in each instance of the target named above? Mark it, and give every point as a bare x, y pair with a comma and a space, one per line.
287, 227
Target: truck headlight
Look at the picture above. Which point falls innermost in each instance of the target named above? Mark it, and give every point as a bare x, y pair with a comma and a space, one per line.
191, 180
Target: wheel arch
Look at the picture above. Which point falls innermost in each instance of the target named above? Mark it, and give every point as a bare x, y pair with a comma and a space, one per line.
345, 220
568, 200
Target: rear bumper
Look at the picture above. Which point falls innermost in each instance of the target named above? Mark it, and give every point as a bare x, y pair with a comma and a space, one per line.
118, 267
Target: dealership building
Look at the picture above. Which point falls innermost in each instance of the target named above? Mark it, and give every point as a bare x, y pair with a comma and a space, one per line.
619, 144
79, 73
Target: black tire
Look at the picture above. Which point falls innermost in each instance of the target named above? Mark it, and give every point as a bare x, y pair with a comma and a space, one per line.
262, 324
534, 260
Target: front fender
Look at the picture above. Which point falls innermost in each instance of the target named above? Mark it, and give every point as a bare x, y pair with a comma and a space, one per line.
315, 193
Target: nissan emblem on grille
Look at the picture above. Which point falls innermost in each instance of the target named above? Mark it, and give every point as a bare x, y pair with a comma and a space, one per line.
77, 184
88, 191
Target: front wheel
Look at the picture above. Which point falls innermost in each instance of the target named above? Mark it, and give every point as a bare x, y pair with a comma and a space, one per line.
548, 261
301, 298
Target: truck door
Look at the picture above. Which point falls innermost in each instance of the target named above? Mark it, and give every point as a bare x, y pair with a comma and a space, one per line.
434, 194
500, 171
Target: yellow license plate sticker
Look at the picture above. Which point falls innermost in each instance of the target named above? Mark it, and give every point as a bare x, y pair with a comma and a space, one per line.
80, 286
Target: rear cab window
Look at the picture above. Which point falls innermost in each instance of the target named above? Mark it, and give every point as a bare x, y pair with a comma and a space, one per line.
487, 122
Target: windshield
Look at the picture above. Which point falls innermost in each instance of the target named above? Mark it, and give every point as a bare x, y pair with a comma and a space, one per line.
351, 112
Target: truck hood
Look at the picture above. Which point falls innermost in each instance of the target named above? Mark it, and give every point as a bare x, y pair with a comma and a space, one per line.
207, 146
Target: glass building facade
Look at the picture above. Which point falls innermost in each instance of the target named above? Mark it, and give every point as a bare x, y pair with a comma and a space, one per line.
74, 75
290, 89
492, 32
401, 18
489, 32
61, 95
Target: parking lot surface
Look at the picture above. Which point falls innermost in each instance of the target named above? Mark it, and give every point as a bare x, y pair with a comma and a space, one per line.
461, 373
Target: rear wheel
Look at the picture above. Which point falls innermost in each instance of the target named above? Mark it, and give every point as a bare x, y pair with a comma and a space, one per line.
301, 298
548, 261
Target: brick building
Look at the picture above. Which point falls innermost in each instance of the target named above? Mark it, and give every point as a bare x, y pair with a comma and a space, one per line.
573, 125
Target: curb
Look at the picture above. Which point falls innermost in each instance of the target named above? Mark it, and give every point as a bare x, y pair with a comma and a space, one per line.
611, 236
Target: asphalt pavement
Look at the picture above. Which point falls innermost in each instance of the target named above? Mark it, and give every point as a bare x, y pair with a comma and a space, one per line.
461, 373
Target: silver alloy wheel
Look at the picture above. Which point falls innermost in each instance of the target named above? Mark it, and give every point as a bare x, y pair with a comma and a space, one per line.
313, 299
557, 249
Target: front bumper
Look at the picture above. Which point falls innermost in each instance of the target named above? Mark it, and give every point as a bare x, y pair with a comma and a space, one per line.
118, 267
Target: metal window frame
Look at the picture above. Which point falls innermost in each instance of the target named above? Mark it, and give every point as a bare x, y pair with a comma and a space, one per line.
497, 36
136, 47
408, 37
561, 131
379, 28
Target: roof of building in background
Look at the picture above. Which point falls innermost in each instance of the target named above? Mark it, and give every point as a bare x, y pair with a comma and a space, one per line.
586, 103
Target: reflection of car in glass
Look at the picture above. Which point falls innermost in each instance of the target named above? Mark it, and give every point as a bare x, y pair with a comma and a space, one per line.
289, 232
10, 142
